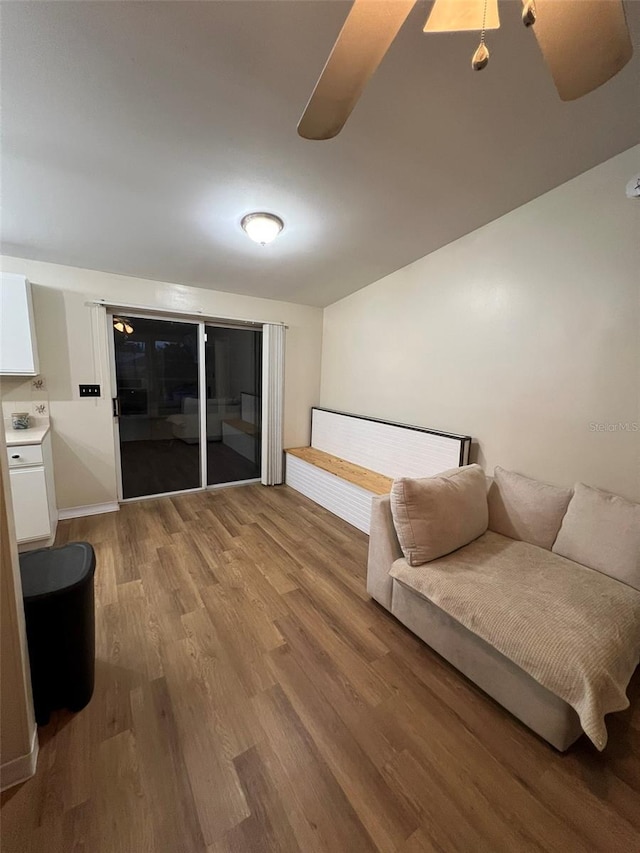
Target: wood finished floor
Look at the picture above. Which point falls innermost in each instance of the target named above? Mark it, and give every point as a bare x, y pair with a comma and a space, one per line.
250, 697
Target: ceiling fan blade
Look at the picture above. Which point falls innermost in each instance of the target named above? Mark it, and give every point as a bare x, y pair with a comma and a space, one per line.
584, 42
449, 16
364, 39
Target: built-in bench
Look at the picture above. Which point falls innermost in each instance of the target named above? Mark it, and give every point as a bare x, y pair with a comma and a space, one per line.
353, 458
241, 436
372, 482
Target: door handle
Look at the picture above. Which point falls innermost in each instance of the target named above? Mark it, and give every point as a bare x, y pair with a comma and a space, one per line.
116, 407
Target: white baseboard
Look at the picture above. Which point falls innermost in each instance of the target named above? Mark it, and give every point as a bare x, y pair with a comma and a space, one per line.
33, 544
21, 768
90, 509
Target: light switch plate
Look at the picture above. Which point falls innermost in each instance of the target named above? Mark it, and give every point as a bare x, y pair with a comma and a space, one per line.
89, 390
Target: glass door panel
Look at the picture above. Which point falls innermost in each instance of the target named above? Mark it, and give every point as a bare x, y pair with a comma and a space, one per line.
157, 405
234, 404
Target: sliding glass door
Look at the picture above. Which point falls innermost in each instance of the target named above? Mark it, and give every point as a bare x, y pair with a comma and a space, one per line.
157, 405
188, 404
234, 404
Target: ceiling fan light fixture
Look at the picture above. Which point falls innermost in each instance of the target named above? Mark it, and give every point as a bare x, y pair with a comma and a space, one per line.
452, 16
121, 325
262, 227
584, 43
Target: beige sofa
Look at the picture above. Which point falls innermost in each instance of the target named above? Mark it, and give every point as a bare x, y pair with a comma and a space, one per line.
531, 591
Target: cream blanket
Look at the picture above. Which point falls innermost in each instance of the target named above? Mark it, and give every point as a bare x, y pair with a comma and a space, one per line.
575, 630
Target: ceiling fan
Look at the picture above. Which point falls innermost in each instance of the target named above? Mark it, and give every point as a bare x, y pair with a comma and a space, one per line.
584, 43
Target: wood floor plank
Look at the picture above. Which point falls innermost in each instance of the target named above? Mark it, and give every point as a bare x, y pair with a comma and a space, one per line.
389, 819
131, 549
511, 743
250, 697
338, 691
268, 829
444, 823
241, 640
177, 579
76, 829
139, 632
349, 617
365, 679
421, 843
217, 793
200, 565
121, 817
275, 562
162, 770
238, 572
505, 813
106, 587
210, 519
204, 540
320, 813
336, 559
165, 602
231, 714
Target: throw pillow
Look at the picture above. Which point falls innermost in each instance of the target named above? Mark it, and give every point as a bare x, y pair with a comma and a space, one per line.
436, 515
526, 509
602, 531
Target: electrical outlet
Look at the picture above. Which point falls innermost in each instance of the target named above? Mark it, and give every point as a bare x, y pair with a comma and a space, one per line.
89, 390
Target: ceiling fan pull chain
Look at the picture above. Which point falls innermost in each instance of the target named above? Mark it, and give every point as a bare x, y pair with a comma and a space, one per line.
529, 13
480, 58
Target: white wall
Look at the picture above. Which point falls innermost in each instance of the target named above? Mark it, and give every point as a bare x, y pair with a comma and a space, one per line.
521, 334
71, 354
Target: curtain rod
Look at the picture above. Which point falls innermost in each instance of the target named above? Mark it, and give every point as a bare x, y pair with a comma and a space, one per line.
196, 313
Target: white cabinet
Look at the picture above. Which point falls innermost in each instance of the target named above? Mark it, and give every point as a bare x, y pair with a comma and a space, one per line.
30, 505
18, 348
32, 492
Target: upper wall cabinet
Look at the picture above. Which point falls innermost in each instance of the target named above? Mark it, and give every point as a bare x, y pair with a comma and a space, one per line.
18, 347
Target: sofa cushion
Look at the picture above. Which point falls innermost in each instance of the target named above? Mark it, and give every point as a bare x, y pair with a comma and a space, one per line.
602, 531
436, 515
525, 509
574, 630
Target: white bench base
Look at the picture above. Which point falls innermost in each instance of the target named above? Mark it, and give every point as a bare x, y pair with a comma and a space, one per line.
344, 499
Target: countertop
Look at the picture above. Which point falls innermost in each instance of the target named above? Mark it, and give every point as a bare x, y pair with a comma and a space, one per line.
34, 435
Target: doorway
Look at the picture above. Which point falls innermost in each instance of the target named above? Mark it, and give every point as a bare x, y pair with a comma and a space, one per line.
187, 404
233, 366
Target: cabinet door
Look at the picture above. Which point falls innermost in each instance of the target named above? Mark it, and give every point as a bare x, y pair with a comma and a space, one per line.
18, 353
30, 507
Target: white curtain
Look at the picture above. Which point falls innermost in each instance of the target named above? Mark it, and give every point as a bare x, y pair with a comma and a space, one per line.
272, 403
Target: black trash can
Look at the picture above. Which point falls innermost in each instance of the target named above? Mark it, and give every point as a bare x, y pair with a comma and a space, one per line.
57, 588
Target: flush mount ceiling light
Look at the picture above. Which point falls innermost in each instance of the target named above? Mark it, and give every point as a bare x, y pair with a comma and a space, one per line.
121, 325
262, 227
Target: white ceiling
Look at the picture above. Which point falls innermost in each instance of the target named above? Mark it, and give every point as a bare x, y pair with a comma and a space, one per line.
137, 134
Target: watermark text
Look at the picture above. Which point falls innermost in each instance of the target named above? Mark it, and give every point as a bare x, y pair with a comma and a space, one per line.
618, 426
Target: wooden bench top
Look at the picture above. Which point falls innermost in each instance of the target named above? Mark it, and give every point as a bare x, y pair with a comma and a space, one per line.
363, 477
242, 426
